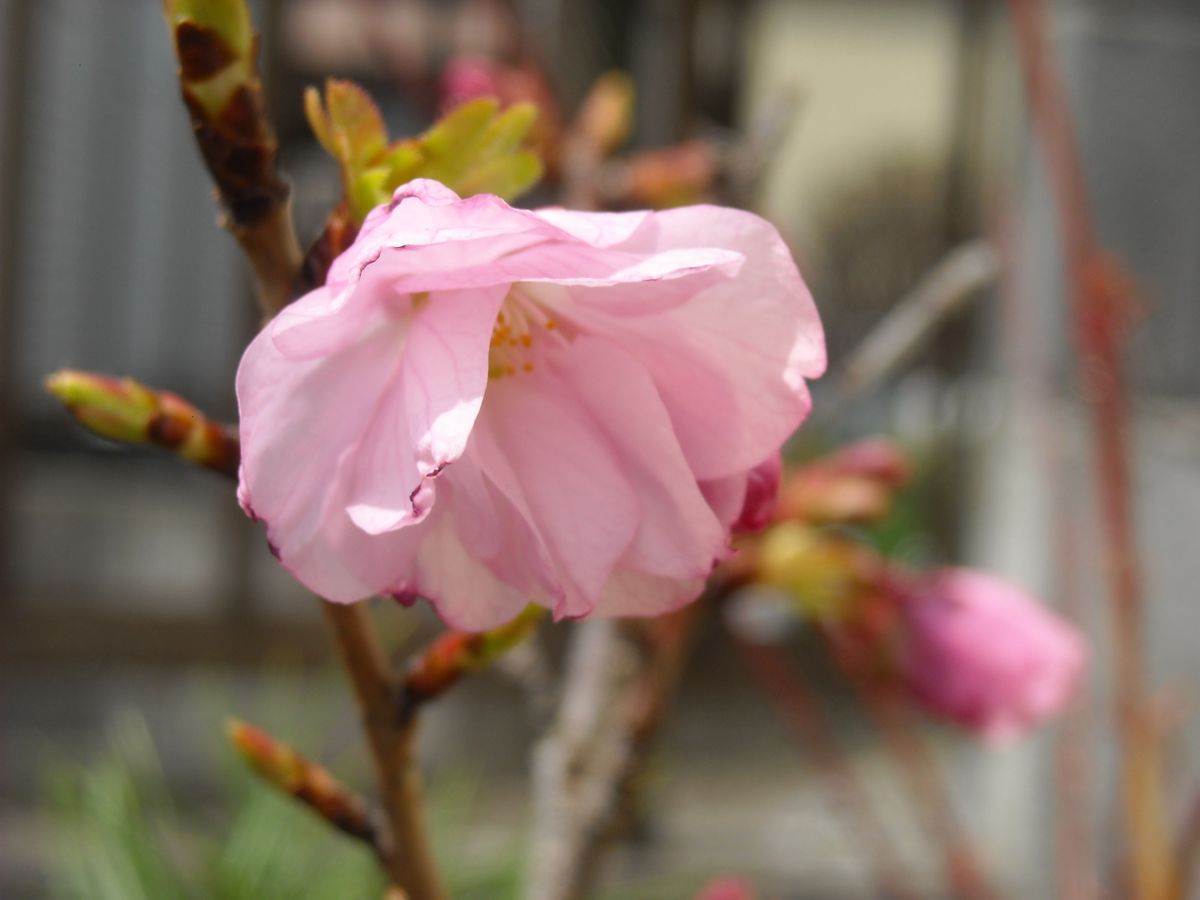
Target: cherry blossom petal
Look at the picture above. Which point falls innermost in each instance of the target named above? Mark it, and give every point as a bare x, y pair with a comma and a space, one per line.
554, 465
298, 419
678, 535
731, 363
427, 410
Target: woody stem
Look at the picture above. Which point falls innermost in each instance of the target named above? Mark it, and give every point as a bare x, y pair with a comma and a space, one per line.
391, 739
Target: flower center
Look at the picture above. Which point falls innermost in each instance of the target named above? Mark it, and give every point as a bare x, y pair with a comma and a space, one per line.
524, 326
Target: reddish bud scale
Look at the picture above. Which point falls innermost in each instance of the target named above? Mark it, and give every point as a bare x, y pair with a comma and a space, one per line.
455, 653
303, 779
338, 234
202, 52
856, 484
216, 50
671, 176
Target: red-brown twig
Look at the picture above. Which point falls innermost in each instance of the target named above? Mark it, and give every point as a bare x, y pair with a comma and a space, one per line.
1097, 291
453, 654
1187, 852
927, 786
801, 710
408, 854
305, 780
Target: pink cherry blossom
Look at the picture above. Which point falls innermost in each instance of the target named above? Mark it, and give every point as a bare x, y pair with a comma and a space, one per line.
486, 406
985, 654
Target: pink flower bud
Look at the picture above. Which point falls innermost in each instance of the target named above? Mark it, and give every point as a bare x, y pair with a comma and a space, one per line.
982, 652
468, 78
762, 494
877, 459
727, 887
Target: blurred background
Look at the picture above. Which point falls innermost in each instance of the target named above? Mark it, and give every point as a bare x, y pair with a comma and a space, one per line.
879, 135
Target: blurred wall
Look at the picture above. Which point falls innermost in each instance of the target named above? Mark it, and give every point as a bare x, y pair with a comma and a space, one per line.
875, 79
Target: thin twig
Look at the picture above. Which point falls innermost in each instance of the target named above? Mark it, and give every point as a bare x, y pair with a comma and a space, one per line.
576, 765
451, 655
1187, 852
800, 709
1097, 290
409, 855
933, 802
307, 782
956, 279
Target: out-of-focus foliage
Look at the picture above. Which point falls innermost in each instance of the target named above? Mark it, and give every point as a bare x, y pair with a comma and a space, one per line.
118, 836
121, 837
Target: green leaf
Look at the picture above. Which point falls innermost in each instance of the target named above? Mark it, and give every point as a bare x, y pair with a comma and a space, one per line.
507, 177
507, 130
473, 149
452, 140
358, 128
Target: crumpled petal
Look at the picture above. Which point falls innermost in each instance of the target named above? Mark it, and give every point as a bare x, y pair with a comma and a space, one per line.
730, 363
678, 535
553, 464
427, 410
291, 448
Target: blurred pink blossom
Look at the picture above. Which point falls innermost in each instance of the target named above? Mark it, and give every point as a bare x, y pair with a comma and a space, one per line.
487, 406
466, 78
986, 654
727, 887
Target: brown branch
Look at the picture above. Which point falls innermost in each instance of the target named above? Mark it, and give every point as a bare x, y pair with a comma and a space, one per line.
407, 851
1099, 299
800, 709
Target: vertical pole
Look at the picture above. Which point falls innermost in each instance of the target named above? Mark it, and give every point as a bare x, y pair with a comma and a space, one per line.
14, 60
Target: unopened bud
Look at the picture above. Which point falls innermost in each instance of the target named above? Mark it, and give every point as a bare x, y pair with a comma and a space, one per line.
852, 485
123, 410
671, 176
311, 784
456, 653
606, 117
214, 43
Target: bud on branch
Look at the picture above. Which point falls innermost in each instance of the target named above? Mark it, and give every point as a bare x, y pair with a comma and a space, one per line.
216, 48
125, 411
303, 779
456, 653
